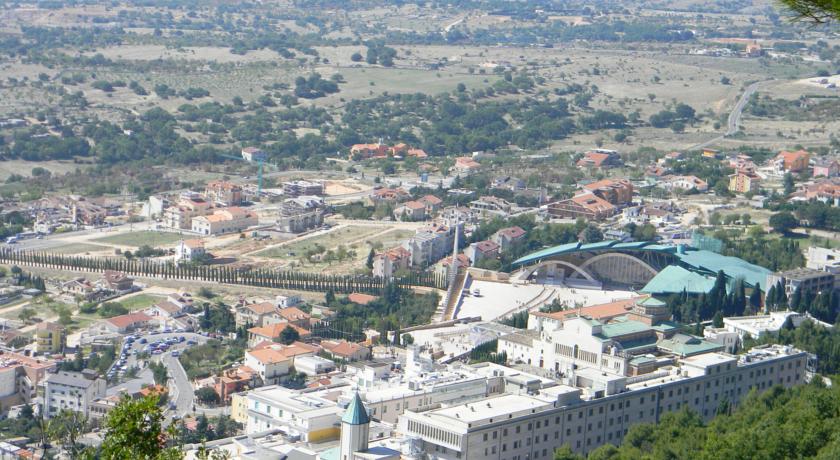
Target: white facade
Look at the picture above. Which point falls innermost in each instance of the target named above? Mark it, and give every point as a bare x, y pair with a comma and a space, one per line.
292, 412
313, 365
823, 259
285, 301
73, 391
533, 426
757, 326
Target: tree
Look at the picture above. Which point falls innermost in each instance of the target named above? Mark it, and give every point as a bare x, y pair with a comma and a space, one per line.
783, 222
591, 234
717, 320
565, 453
371, 255
207, 395
755, 298
790, 186
288, 335
356, 57
66, 428
816, 11
134, 429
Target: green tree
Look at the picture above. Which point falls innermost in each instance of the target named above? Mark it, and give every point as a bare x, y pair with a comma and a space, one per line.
371, 255
783, 222
817, 11
289, 335
207, 395
789, 185
134, 430
66, 428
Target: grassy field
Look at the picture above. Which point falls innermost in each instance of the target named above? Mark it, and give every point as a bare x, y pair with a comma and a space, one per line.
332, 239
139, 301
78, 248
143, 238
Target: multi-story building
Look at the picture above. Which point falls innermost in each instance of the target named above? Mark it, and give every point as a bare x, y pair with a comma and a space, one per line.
227, 220
804, 279
20, 377
73, 391
189, 206
298, 414
297, 215
617, 192
744, 182
684, 183
596, 408
189, 250
826, 167
431, 244
224, 193
482, 250
582, 206
758, 326
50, 337
490, 206
387, 263
296, 188
823, 259
508, 237
792, 161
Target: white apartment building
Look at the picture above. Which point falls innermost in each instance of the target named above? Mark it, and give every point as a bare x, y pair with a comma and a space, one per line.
586, 416
292, 412
74, 391
759, 325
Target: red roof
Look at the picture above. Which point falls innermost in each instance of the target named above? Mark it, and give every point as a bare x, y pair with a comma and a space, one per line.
486, 246
124, 321
601, 312
512, 232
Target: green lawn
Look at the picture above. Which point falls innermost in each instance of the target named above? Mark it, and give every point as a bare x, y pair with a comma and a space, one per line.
330, 240
78, 248
139, 301
144, 238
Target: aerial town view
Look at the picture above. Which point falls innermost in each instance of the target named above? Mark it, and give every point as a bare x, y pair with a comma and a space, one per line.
390, 229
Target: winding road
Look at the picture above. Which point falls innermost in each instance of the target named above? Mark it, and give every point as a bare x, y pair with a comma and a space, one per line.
734, 121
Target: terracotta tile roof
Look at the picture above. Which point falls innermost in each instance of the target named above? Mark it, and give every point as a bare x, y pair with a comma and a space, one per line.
341, 348
124, 321
293, 314
262, 308
602, 311
512, 232
430, 200
274, 330
486, 246
269, 356
593, 202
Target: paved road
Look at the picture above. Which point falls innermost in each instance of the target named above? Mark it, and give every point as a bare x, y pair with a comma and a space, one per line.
181, 390
734, 121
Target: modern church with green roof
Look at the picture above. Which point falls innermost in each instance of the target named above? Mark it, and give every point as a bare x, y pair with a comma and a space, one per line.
643, 266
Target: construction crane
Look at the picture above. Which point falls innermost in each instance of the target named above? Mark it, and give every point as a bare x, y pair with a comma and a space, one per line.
260, 160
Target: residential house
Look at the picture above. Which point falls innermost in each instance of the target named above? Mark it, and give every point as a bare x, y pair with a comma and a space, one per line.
347, 351
272, 331
254, 314
508, 237
466, 165
50, 337
411, 211
117, 281
826, 167
73, 391
189, 250
600, 158
432, 204
81, 287
235, 380
224, 193
286, 301
744, 182
827, 191
684, 183
271, 361
508, 183
292, 315
127, 323
787, 161
227, 220
174, 306
387, 263
388, 195
252, 154
441, 269
482, 250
